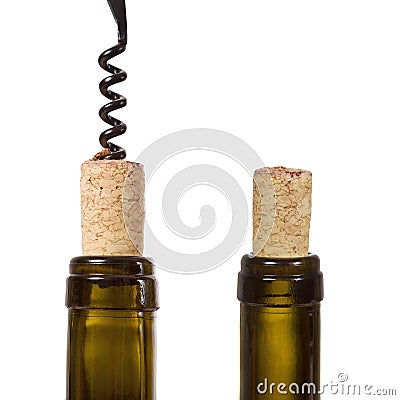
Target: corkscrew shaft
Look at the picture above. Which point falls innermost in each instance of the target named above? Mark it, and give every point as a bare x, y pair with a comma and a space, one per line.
117, 101
118, 9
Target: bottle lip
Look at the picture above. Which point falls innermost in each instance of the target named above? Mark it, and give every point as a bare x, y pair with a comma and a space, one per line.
307, 265
111, 265
280, 282
112, 282
311, 257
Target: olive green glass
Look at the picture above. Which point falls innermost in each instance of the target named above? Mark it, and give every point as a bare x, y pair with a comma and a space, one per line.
112, 305
280, 328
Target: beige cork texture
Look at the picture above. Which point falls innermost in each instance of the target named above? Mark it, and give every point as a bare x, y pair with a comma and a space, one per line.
281, 212
112, 206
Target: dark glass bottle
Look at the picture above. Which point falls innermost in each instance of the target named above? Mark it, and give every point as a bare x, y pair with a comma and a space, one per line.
280, 328
112, 304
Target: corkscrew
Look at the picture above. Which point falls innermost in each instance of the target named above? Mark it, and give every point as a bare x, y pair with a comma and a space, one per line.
113, 151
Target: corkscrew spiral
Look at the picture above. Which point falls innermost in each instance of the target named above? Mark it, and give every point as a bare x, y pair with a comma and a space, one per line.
114, 152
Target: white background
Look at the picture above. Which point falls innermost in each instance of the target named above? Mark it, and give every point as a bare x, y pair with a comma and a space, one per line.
308, 84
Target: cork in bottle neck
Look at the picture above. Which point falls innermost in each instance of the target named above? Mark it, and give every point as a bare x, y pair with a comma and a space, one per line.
281, 212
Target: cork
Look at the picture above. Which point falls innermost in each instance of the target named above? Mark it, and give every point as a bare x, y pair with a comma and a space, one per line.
281, 212
112, 208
